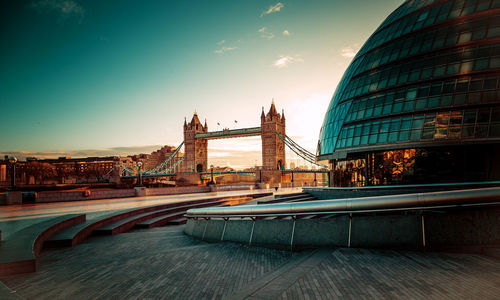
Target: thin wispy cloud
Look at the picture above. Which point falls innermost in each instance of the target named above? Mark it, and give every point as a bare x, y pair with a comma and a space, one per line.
272, 9
64, 8
349, 51
222, 50
265, 34
286, 32
285, 60
221, 42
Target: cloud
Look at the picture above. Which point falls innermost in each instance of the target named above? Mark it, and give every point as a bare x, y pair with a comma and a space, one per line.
286, 32
225, 49
285, 60
349, 51
221, 42
265, 34
272, 9
64, 8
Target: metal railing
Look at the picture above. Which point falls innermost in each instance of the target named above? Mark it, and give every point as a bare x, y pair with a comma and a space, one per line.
408, 186
417, 201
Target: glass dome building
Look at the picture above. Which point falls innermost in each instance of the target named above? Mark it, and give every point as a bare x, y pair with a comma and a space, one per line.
420, 102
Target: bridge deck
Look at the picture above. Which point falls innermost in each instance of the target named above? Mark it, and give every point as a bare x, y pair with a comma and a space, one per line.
229, 133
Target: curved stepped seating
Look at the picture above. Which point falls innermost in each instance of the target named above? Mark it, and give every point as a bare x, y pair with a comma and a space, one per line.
77, 234
127, 224
288, 195
19, 252
180, 221
161, 220
173, 215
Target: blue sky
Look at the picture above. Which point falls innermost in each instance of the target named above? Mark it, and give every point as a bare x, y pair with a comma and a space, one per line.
77, 75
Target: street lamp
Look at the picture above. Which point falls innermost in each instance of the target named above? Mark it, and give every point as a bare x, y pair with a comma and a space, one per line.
13, 162
211, 175
139, 174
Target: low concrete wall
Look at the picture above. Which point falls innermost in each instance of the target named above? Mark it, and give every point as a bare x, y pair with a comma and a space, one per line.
3, 199
58, 196
177, 190
332, 231
234, 187
463, 228
466, 231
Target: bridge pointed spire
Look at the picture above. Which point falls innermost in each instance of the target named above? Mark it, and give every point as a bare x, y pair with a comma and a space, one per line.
272, 110
282, 114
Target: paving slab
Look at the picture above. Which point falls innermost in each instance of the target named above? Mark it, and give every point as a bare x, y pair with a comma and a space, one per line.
166, 264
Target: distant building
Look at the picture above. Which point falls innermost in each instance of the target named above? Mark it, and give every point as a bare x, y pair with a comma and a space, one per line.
152, 160
420, 102
67, 170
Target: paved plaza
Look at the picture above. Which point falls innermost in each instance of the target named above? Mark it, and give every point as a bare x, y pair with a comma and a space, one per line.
15, 217
163, 263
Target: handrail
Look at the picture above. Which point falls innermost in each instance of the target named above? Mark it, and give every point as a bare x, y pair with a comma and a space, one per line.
346, 212
375, 187
354, 204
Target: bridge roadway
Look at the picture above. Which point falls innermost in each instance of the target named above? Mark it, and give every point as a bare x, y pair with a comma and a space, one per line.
229, 133
166, 264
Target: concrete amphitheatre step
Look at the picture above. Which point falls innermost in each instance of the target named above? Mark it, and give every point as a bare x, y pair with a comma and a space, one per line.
170, 216
290, 195
127, 224
180, 221
161, 220
296, 197
77, 234
19, 252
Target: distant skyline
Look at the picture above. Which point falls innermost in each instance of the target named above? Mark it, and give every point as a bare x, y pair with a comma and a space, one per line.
83, 77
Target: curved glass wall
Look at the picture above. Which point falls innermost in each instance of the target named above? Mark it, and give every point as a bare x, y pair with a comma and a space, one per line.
428, 75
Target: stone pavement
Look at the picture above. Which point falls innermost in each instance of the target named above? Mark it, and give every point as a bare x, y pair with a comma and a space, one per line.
163, 263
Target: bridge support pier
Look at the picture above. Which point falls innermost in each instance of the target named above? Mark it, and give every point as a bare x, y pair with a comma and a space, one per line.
271, 176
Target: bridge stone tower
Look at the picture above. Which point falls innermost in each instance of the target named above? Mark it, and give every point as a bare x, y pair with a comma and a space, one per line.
196, 152
273, 148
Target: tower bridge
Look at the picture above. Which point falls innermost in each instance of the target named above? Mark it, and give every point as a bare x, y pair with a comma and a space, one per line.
196, 137
192, 167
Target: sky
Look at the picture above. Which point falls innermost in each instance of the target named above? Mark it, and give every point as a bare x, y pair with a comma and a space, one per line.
86, 78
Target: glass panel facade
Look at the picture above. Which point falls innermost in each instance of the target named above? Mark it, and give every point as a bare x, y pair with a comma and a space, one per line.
418, 166
429, 73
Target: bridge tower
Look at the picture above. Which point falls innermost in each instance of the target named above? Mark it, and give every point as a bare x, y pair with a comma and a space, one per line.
273, 148
196, 152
